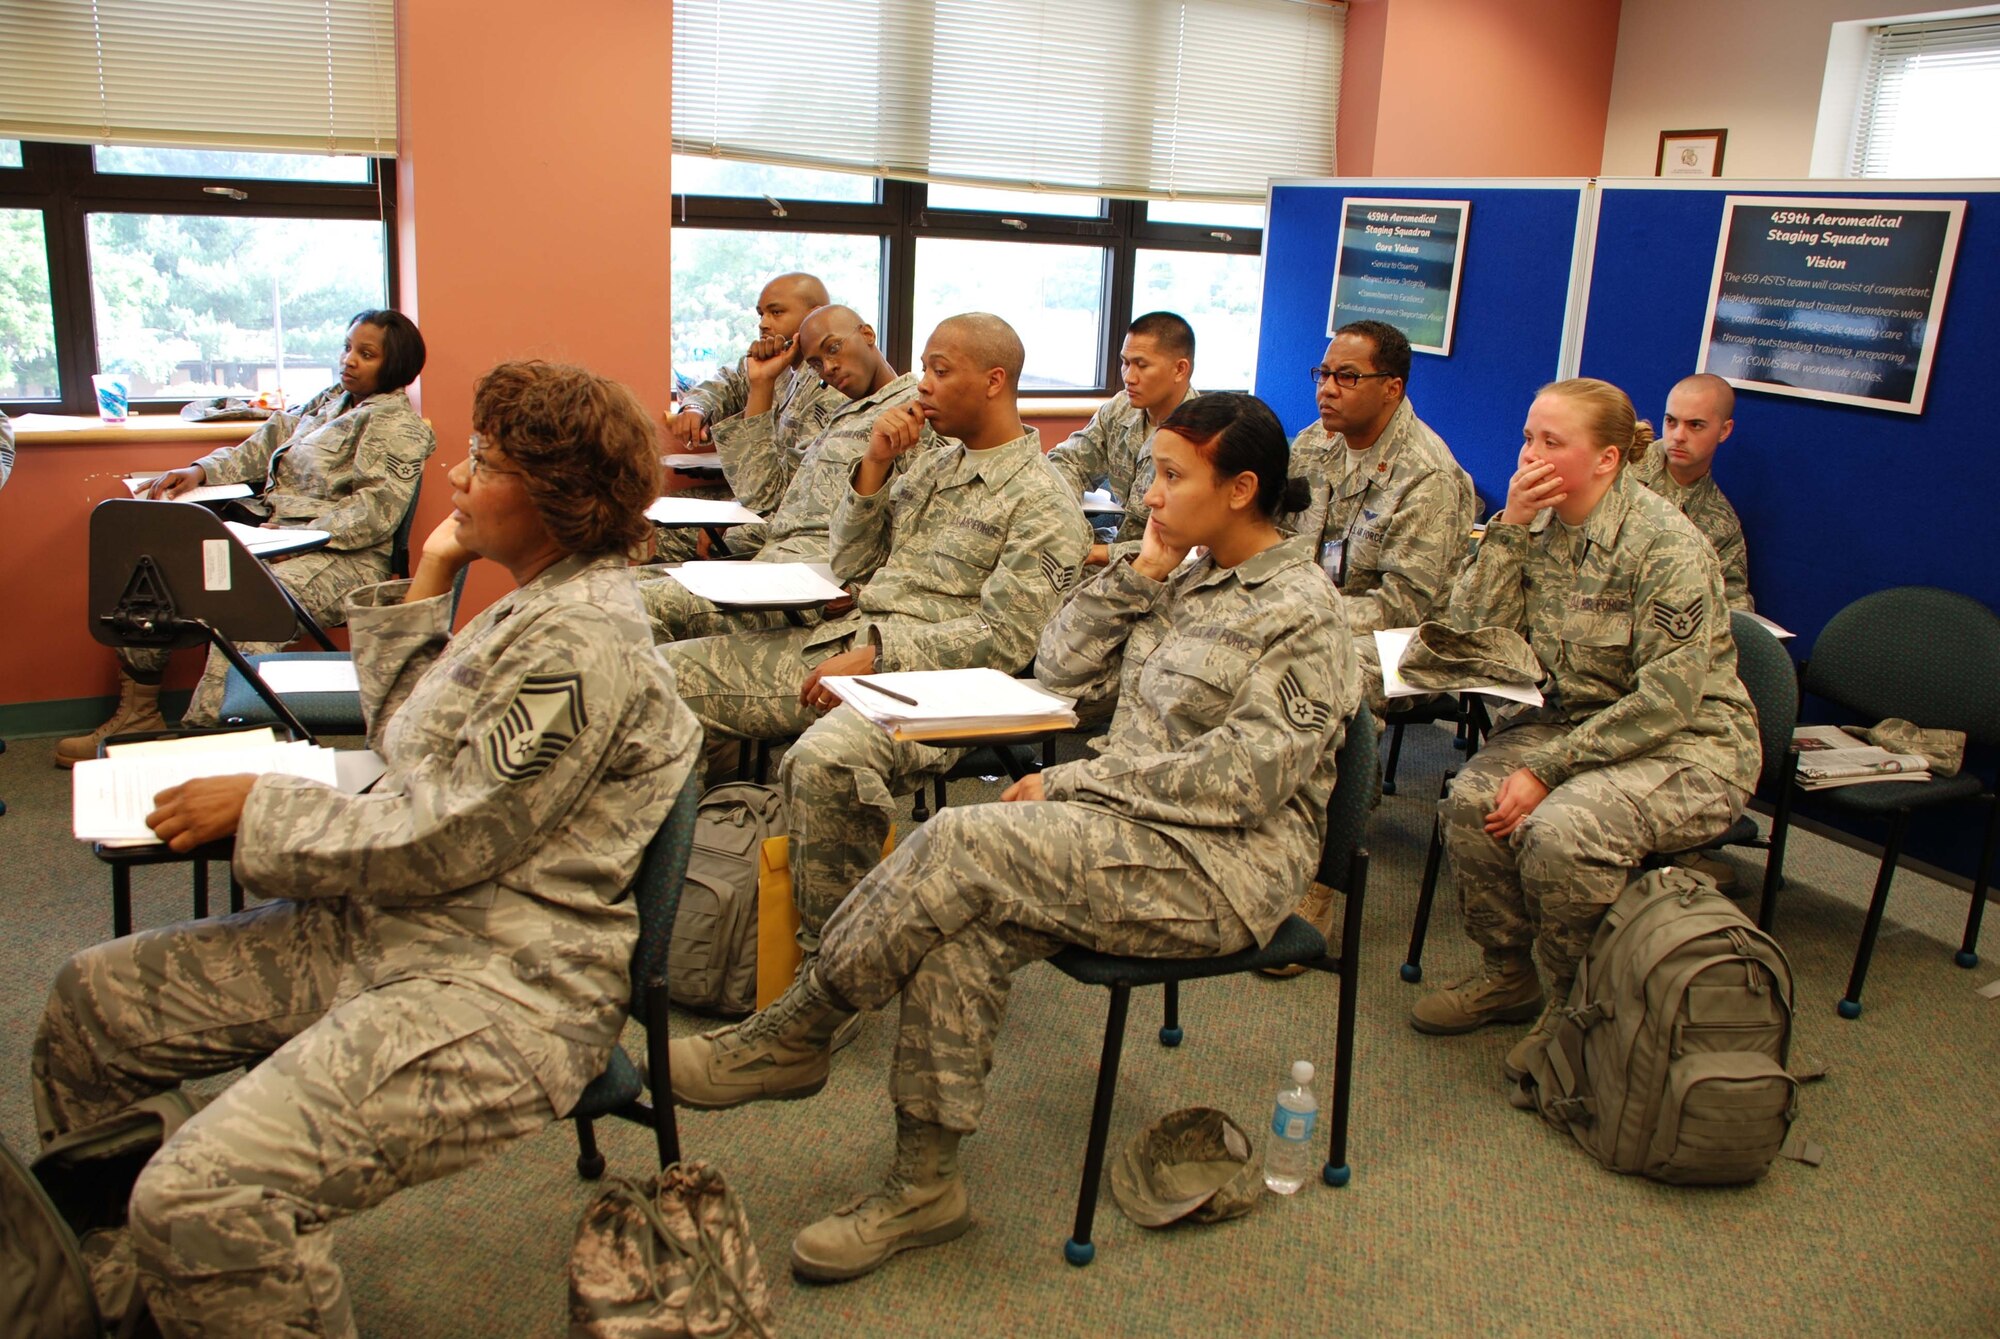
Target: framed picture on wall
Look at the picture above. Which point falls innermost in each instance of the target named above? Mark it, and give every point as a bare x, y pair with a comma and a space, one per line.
1690, 153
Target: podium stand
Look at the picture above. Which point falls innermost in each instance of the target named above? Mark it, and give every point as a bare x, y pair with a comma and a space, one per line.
170, 575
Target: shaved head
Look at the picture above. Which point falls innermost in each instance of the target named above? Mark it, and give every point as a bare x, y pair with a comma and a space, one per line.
1720, 395
829, 319
987, 340
805, 289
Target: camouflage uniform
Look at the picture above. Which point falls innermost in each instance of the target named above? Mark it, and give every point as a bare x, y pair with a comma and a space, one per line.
1114, 450
1192, 833
962, 562
1646, 738
444, 968
6, 448
756, 461
1703, 503
348, 467
799, 503
1392, 521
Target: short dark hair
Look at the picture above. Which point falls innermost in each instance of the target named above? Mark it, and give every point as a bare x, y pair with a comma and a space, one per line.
1236, 432
1168, 330
585, 446
402, 347
1392, 346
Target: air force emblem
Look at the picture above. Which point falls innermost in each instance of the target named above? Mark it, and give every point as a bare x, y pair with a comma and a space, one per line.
1679, 624
546, 715
1299, 707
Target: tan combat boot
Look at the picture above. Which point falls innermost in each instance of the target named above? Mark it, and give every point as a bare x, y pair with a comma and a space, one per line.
1316, 907
921, 1203
138, 712
779, 1055
1503, 990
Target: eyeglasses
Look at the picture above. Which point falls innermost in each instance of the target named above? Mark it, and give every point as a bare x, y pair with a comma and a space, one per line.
1344, 377
476, 457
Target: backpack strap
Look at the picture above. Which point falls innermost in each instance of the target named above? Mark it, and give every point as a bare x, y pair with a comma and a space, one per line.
1801, 1149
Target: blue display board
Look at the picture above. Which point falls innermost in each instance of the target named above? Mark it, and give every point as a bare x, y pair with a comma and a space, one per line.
1514, 294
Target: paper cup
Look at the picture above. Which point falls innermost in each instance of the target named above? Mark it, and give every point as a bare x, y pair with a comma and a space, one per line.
113, 398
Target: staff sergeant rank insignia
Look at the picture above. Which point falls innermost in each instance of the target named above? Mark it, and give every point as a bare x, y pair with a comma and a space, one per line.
1058, 575
1300, 709
546, 714
1679, 624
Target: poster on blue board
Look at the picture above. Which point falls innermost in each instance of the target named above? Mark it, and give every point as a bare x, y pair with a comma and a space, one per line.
1398, 261
1831, 299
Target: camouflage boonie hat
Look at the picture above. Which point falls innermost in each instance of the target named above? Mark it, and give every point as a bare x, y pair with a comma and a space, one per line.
1194, 1163
1442, 658
1944, 750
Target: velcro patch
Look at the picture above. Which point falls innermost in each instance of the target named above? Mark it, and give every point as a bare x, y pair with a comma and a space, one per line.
1060, 577
1300, 708
547, 714
1679, 624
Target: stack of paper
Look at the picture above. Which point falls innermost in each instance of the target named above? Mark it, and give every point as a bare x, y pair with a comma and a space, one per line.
1099, 502
1829, 757
674, 510
947, 704
259, 539
759, 585
138, 483
688, 461
1391, 643
111, 796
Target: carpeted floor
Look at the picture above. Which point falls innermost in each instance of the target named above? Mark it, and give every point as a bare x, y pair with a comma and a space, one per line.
1464, 1215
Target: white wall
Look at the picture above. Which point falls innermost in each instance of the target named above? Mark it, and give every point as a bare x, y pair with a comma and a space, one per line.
1755, 68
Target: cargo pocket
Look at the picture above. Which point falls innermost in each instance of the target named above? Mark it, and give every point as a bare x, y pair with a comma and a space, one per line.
1147, 912
1724, 1117
1600, 646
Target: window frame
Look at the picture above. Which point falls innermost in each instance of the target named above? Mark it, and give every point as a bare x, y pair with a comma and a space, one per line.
901, 215
62, 182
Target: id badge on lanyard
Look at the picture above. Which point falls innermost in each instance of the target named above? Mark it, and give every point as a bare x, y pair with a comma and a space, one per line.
1333, 561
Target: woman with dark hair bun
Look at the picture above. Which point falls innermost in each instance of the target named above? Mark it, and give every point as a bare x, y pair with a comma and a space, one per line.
1191, 833
348, 462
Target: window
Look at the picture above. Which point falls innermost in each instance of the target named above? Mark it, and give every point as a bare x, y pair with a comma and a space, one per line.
1053, 296
1208, 214
1925, 89
10, 153
1220, 296
695, 175
986, 200
718, 272
194, 287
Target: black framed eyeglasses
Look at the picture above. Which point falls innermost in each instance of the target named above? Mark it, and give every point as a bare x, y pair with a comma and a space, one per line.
1344, 377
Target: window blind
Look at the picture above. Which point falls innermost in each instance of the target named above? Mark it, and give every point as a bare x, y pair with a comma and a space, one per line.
1141, 99
315, 76
1930, 97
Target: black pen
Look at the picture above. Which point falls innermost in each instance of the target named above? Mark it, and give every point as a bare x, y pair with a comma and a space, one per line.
886, 692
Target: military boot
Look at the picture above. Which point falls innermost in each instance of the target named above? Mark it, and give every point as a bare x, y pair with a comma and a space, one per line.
1503, 990
780, 1054
1316, 908
921, 1203
138, 712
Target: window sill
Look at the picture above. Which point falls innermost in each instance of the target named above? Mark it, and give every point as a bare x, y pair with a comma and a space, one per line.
1067, 407
88, 430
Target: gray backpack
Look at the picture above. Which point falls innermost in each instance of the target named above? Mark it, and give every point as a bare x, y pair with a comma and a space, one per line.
713, 962
1670, 1059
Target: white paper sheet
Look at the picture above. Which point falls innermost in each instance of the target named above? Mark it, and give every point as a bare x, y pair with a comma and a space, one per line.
1099, 502
1391, 643
765, 584
205, 493
1773, 628
975, 699
692, 460
110, 797
261, 541
310, 676
672, 510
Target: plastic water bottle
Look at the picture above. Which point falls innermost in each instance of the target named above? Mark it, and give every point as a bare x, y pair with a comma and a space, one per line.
1288, 1158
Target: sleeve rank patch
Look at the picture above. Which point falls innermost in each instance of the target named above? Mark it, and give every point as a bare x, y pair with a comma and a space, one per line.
1300, 707
547, 714
1679, 624
1059, 576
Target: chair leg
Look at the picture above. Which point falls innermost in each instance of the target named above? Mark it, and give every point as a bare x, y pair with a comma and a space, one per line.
1850, 1004
1337, 1172
235, 889
201, 890
1968, 952
1395, 756
121, 901
1413, 963
1170, 1029
1079, 1250
937, 793
1774, 860
589, 1162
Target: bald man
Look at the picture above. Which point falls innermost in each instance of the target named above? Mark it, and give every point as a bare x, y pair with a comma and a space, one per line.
958, 563
1700, 416
840, 348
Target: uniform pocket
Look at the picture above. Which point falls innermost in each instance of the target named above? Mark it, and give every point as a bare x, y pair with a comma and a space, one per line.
1195, 681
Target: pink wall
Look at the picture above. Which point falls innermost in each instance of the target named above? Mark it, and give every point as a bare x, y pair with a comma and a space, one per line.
1488, 88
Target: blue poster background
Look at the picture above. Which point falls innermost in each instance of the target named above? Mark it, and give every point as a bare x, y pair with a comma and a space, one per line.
1397, 265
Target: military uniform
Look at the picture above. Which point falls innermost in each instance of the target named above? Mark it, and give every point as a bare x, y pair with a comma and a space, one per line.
800, 503
960, 563
1702, 502
6, 448
1191, 833
1646, 739
348, 467
444, 968
756, 462
1114, 450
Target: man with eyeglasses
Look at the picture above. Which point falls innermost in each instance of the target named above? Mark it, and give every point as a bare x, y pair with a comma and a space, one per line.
799, 498
1113, 450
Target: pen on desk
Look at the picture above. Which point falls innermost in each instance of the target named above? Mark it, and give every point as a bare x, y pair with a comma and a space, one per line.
886, 692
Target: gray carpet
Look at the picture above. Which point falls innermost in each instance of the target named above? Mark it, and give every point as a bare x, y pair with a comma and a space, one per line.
1463, 1215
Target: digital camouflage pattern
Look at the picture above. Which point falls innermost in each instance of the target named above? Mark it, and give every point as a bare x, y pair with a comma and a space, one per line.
6, 448
1114, 451
348, 467
1702, 502
1439, 656
801, 404
672, 1256
1194, 1163
1191, 834
444, 967
799, 526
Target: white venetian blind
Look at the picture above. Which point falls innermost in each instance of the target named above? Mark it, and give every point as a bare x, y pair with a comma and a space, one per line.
1153, 99
1930, 100
315, 76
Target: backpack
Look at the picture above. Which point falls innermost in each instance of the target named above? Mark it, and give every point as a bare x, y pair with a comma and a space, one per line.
66, 1266
712, 963
1670, 1057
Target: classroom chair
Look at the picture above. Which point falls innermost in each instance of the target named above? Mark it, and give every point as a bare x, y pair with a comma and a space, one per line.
1343, 864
